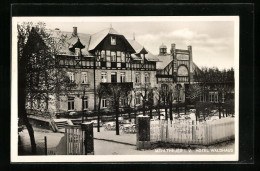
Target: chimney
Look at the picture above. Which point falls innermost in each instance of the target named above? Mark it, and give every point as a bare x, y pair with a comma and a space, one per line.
190, 48
173, 48
75, 33
191, 60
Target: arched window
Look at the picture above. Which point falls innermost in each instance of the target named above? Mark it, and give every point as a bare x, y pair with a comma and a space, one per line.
183, 71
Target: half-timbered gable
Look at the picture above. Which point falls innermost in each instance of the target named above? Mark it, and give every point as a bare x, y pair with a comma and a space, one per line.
176, 67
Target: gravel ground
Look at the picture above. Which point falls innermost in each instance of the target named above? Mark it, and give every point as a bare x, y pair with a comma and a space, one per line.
110, 148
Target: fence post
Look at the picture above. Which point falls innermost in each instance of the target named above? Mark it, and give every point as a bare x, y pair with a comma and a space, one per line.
88, 140
45, 145
143, 132
193, 130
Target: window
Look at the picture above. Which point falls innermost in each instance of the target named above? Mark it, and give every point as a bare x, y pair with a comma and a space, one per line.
108, 59
103, 77
123, 102
223, 98
137, 78
38, 103
71, 104
211, 96
178, 99
137, 99
109, 64
216, 97
123, 56
113, 56
103, 55
147, 77
85, 103
122, 77
113, 77
84, 77
128, 57
202, 97
71, 76
113, 40
161, 50
104, 103
118, 58
183, 71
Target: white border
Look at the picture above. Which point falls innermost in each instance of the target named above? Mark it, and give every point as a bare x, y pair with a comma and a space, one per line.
119, 158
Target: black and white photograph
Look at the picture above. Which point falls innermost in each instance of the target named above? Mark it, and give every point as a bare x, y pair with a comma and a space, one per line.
116, 89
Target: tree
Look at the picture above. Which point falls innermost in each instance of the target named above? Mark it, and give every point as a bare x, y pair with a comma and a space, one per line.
23, 34
159, 96
150, 101
31, 48
193, 94
101, 91
230, 107
129, 97
164, 95
171, 95
219, 82
115, 92
38, 77
144, 94
204, 108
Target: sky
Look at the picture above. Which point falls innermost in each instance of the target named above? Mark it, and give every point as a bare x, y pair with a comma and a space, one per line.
212, 39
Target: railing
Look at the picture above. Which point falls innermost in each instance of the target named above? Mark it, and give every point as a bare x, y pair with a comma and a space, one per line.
187, 132
123, 84
182, 79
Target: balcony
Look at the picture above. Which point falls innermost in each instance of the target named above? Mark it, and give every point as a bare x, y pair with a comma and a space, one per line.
123, 84
182, 79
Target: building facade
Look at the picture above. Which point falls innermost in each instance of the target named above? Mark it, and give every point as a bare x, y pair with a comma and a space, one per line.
107, 57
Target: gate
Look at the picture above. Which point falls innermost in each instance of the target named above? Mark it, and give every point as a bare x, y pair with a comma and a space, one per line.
74, 139
79, 139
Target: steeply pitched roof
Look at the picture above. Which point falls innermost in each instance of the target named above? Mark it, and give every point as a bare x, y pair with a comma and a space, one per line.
70, 41
138, 47
99, 36
194, 68
164, 60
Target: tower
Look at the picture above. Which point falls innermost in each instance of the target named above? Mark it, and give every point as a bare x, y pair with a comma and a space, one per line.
163, 50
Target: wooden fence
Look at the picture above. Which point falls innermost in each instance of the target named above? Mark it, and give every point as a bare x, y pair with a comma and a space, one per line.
187, 132
74, 138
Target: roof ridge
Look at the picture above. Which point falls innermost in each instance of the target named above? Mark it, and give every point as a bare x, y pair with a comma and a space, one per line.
99, 31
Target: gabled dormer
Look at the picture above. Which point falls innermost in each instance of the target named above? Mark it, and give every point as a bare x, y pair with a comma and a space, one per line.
75, 44
142, 55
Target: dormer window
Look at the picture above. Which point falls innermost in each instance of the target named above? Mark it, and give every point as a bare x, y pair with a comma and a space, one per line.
142, 57
77, 53
113, 40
